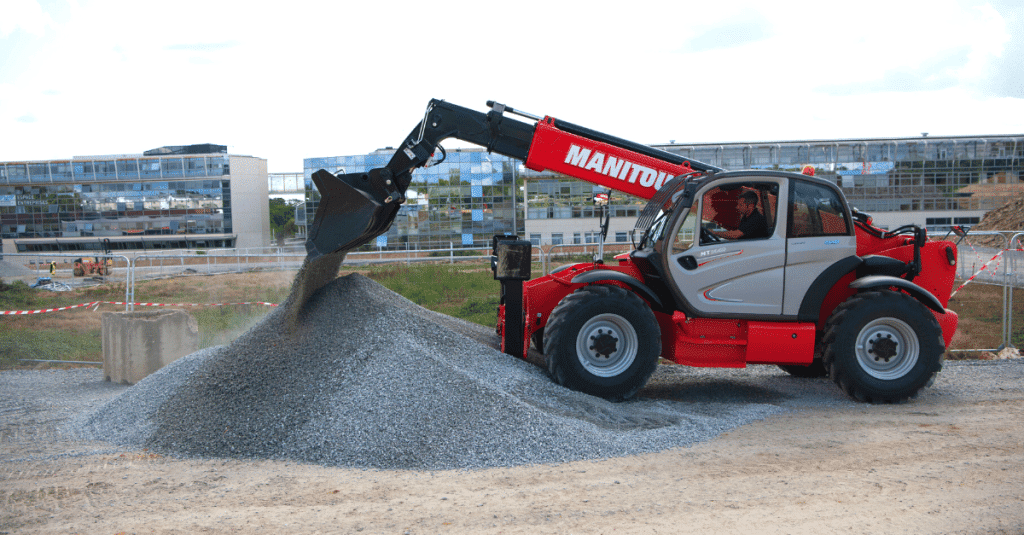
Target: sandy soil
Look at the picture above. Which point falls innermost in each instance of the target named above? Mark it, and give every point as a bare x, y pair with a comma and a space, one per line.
940, 464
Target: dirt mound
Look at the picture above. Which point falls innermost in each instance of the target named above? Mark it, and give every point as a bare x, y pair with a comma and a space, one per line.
1009, 217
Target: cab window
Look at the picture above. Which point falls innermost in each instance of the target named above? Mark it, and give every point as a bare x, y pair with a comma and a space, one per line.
815, 210
684, 237
738, 212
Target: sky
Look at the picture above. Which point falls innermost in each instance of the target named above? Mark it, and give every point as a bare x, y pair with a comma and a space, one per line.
291, 80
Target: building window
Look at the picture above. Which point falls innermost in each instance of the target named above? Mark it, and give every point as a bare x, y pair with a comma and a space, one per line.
556, 238
195, 166
127, 170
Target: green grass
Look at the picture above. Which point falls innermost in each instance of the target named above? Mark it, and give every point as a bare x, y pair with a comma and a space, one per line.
19, 296
48, 344
467, 293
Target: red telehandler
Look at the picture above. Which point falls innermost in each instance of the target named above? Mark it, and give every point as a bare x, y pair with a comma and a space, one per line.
729, 268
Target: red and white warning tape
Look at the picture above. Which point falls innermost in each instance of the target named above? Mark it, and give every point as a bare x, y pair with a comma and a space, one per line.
97, 303
40, 311
983, 268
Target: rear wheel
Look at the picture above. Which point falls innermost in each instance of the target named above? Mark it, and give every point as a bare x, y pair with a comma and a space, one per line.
883, 346
602, 340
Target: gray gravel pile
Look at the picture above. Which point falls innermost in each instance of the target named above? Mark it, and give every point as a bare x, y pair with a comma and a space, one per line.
368, 379
10, 269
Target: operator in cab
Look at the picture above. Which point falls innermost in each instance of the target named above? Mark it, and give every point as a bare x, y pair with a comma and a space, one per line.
752, 222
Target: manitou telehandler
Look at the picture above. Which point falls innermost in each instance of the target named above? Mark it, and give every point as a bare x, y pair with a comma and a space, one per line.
817, 289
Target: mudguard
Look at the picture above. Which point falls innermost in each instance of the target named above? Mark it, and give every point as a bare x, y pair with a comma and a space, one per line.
885, 281
599, 275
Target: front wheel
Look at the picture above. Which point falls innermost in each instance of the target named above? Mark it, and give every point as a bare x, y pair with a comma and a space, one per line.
883, 346
602, 340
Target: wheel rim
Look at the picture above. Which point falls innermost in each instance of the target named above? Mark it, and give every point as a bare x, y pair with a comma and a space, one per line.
887, 348
606, 345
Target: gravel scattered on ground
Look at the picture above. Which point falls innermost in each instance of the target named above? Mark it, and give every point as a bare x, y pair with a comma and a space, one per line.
368, 379
947, 462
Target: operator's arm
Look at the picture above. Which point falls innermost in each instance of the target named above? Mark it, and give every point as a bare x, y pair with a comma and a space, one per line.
728, 234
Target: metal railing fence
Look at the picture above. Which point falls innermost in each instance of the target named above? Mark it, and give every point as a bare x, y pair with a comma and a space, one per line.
64, 271
993, 263
978, 264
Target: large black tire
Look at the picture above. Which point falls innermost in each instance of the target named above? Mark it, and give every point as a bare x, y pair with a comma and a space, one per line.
882, 347
602, 340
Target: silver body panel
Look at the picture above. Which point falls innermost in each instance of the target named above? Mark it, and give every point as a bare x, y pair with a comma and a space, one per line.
806, 258
750, 277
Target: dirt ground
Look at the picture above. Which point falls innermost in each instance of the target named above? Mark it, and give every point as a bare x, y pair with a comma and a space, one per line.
948, 462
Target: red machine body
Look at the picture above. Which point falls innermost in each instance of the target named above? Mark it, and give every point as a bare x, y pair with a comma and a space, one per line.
696, 341
703, 342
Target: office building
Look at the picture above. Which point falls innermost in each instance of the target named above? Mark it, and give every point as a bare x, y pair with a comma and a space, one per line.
176, 197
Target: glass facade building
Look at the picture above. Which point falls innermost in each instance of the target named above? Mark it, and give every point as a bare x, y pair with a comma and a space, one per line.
945, 180
934, 182
171, 197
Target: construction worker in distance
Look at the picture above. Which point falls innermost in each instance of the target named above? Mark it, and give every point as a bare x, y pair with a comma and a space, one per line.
752, 222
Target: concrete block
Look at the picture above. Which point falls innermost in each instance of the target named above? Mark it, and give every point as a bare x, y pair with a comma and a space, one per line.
136, 344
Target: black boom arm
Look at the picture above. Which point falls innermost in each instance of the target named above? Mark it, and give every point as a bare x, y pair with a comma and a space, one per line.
357, 207
443, 120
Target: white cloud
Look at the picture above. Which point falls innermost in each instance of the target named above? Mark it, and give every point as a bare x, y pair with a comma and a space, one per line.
25, 15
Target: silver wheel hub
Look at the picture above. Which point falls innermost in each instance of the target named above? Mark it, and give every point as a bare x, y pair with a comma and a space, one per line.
887, 348
606, 345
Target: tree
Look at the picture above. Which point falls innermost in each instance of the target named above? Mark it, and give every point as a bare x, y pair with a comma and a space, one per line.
282, 218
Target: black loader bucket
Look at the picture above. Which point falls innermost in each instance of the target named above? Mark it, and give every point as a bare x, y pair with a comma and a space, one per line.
354, 209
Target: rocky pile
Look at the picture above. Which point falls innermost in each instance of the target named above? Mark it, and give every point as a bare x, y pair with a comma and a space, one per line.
362, 377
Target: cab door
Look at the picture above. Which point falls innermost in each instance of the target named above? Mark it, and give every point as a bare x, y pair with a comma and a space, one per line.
717, 275
820, 234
